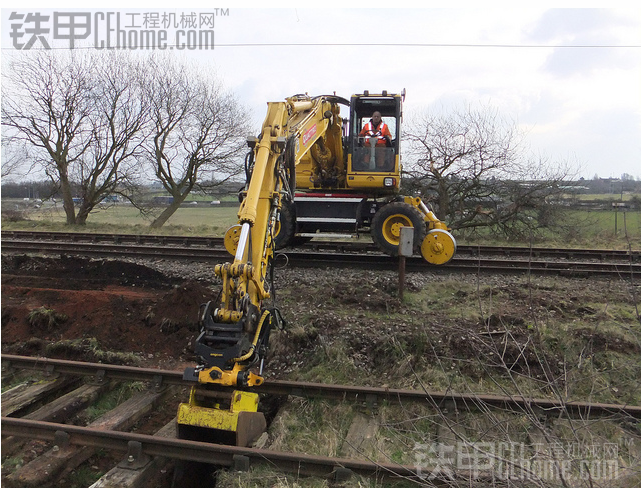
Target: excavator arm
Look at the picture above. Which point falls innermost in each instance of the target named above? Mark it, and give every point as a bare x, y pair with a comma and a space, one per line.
227, 358
235, 328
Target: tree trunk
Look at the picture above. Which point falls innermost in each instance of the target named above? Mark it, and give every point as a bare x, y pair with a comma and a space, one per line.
83, 214
443, 200
67, 199
166, 214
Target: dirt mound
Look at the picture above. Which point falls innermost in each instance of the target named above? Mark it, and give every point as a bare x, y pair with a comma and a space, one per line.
83, 269
179, 308
124, 307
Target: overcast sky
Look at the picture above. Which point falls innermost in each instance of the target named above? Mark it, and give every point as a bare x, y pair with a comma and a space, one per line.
570, 77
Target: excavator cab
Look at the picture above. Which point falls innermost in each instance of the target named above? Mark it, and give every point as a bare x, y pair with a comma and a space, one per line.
372, 161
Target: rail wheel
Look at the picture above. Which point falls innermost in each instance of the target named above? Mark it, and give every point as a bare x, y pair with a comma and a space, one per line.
438, 247
232, 236
286, 225
387, 223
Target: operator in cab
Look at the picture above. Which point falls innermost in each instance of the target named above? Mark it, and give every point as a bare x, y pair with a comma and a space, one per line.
376, 134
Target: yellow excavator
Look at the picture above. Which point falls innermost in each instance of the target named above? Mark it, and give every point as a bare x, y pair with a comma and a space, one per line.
309, 173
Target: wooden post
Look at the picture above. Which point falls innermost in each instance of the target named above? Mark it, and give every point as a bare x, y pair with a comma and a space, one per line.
405, 249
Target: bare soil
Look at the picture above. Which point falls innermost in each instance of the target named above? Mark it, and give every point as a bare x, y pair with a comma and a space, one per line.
349, 318
126, 307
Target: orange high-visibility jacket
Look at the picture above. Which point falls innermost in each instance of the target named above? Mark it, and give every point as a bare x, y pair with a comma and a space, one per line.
379, 132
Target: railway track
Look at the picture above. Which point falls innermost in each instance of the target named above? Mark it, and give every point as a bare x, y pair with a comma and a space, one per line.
343, 247
371, 395
146, 454
581, 263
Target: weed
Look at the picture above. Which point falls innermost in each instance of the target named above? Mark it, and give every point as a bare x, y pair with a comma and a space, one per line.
83, 476
112, 399
11, 464
311, 426
90, 349
265, 476
18, 378
45, 319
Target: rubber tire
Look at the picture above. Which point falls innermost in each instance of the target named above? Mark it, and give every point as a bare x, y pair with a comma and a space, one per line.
286, 227
384, 229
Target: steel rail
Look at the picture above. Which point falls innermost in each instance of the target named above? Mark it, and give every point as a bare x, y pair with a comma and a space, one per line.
316, 259
344, 246
116, 250
224, 455
115, 238
364, 394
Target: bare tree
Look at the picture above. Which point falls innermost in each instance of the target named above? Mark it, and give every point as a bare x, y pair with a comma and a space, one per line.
15, 158
81, 116
196, 128
46, 103
472, 166
117, 127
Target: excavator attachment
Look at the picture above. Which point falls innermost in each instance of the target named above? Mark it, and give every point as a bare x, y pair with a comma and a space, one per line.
240, 422
227, 358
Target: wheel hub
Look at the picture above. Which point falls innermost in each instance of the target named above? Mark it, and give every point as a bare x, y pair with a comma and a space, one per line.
438, 247
396, 229
392, 228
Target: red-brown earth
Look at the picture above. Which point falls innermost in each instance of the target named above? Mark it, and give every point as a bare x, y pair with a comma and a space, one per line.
124, 306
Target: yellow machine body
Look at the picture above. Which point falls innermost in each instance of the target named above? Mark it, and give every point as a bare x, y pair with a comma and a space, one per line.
235, 330
343, 182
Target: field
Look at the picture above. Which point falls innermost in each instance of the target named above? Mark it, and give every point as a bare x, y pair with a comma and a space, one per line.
550, 337
576, 228
202, 219
610, 224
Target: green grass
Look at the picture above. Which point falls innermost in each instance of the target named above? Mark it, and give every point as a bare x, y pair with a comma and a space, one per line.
609, 222
10, 464
262, 475
112, 399
458, 299
298, 424
20, 377
86, 348
330, 363
45, 318
83, 476
613, 197
577, 228
124, 219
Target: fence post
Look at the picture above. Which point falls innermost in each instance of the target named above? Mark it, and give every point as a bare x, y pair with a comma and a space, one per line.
405, 249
